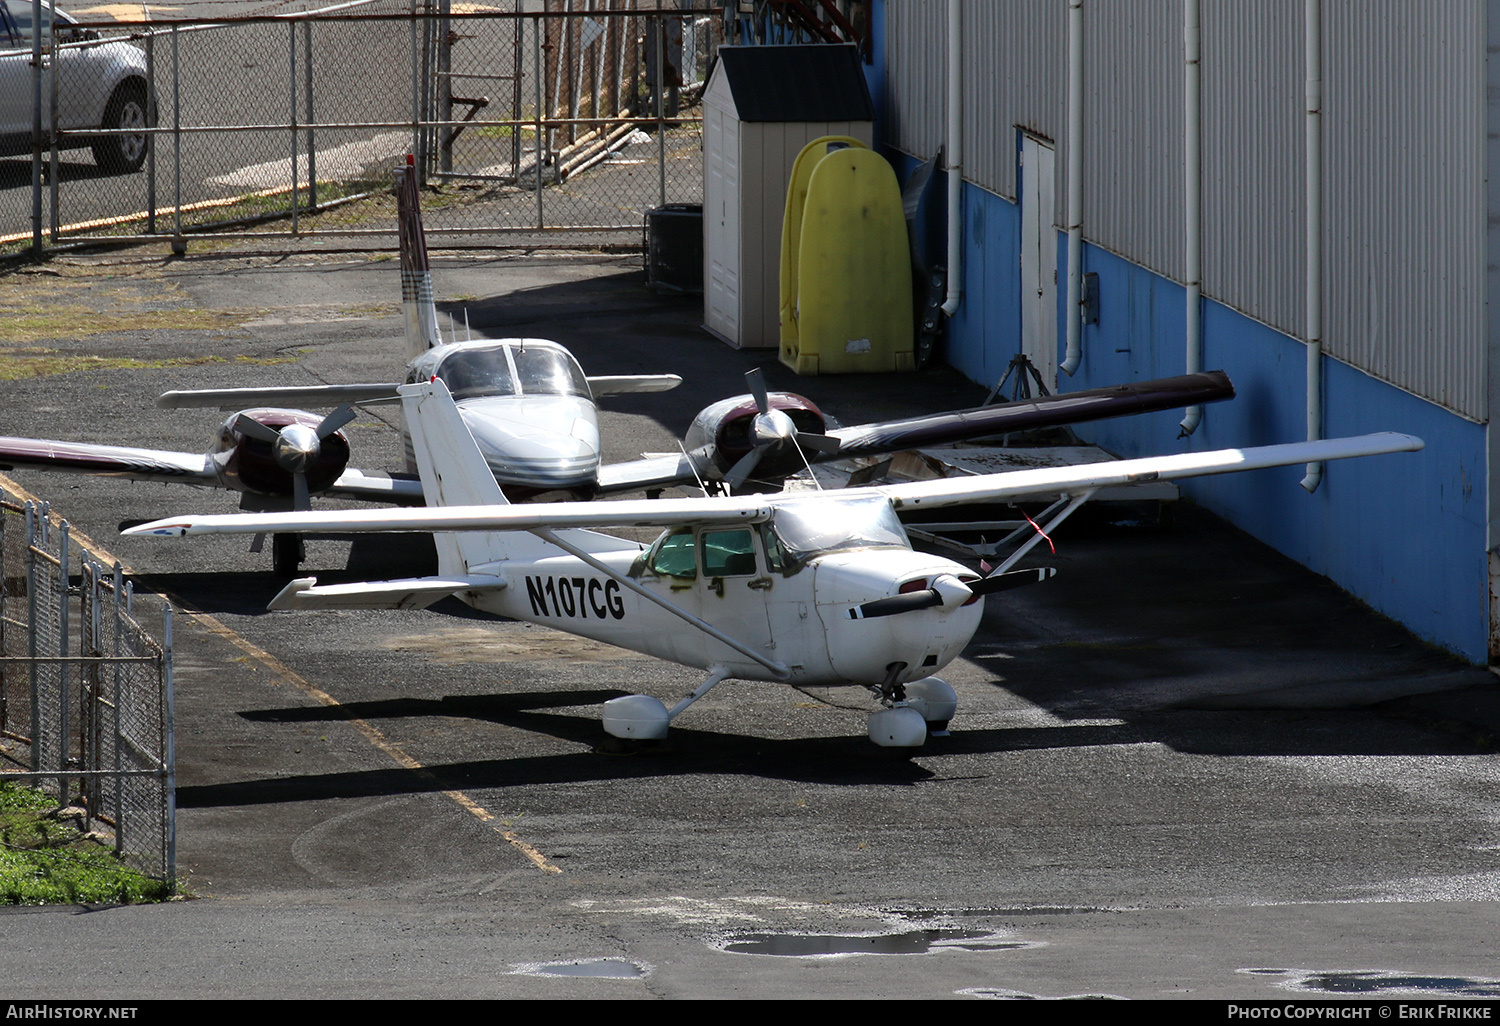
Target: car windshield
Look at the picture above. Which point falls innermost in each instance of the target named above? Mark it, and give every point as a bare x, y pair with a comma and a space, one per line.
470, 373
547, 371
807, 529
20, 15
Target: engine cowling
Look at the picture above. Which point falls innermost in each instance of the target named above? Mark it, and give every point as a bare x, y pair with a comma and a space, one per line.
253, 464
721, 434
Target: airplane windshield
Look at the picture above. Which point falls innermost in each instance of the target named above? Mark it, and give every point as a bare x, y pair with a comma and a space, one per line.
804, 530
546, 371
470, 373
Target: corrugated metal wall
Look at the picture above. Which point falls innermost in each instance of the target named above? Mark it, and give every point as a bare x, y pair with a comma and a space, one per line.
1403, 137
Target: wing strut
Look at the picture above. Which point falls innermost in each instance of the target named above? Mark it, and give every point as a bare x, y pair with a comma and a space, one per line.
1073, 503
551, 536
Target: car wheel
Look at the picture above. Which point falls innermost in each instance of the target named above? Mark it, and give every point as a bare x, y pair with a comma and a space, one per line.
126, 110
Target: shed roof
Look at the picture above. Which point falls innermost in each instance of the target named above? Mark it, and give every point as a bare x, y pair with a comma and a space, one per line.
811, 82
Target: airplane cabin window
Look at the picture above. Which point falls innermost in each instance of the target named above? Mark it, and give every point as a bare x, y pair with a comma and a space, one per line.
474, 373
728, 553
674, 556
546, 371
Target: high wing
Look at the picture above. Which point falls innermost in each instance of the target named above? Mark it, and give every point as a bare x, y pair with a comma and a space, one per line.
706, 464
1021, 484
1015, 484
529, 517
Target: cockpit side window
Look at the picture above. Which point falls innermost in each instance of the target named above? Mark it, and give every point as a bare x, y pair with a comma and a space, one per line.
728, 553
474, 373
674, 556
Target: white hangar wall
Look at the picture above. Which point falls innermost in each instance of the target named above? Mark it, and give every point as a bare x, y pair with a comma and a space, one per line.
1404, 240
1404, 163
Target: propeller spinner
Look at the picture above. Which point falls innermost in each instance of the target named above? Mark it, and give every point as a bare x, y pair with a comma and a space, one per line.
772, 431
296, 447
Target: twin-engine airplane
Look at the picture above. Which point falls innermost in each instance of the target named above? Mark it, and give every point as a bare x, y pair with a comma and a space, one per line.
810, 589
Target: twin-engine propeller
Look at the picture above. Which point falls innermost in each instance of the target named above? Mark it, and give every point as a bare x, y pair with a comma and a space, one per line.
772, 433
296, 447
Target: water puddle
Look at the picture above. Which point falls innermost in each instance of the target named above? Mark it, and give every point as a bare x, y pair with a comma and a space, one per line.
594, 968
1001, 994
1374, 983
910, 942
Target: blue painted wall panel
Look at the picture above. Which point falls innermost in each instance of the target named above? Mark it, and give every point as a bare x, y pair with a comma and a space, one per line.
1404, 533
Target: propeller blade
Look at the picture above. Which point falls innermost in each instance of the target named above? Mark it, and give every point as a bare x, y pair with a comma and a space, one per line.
335, 420
744, 468
946, 590
255, 429
1012, 579
300, 499
820, 443
757, 384
924, 599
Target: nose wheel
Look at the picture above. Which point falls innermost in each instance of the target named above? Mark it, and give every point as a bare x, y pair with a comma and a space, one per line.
912, 711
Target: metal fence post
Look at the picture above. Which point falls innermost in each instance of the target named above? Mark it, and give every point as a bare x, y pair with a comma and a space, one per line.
118, 579
63, 752
661, 126
291, 82
170, 743
31, 646
312, 148
536, 73
176, 137
53, 174
151, 139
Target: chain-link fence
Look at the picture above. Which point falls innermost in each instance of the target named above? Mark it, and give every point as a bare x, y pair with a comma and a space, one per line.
85, 691
571, 120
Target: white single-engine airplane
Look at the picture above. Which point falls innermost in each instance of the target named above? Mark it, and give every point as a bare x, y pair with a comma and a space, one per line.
810, 589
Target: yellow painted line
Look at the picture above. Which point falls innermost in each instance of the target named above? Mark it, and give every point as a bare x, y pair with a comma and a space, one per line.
164, 213
281, 673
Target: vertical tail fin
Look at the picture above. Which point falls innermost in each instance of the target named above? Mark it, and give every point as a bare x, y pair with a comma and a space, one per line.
454, 473
416, 275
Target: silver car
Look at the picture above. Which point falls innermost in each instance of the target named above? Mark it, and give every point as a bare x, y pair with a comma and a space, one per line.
101, 84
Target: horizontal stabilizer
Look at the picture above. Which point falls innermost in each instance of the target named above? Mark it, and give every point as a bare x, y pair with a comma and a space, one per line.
412, 593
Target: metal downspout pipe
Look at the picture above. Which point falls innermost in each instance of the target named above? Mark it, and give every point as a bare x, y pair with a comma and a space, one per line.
1074, 354
955, 157
1192, 139
1314, 42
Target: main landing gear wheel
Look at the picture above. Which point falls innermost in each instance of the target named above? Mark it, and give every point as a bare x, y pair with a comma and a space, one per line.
633, 723
936, 700
898, 727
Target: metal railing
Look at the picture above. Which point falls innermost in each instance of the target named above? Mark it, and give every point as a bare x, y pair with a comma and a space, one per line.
573, 119
85, 691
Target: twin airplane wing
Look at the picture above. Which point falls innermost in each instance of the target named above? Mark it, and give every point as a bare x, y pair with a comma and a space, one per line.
199, 469
1010, 485
321, 396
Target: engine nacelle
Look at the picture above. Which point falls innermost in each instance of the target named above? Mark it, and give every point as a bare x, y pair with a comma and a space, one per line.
722, 432
251, 464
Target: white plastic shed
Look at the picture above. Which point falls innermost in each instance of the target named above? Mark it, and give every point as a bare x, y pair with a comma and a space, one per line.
762, 105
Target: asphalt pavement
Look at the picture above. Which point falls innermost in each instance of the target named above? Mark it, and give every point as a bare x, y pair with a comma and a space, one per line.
1186, 767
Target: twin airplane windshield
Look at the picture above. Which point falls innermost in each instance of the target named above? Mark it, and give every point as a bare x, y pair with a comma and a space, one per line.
472, 372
